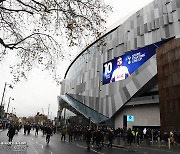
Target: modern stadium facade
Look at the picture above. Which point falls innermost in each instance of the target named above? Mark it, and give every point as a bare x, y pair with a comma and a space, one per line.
148, 43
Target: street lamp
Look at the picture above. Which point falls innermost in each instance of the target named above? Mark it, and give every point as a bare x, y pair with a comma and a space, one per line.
10, 98
10, 86
1, 107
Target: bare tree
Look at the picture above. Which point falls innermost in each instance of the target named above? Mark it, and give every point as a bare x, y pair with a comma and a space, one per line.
35, 30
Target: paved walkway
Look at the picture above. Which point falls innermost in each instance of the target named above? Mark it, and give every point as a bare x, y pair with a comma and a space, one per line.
149, 148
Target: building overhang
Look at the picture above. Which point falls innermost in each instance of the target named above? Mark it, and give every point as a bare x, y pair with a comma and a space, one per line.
79, 108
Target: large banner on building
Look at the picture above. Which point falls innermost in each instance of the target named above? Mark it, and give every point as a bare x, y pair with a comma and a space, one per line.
123, 66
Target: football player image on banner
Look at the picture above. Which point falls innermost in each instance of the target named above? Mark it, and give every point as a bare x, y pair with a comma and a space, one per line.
120, 72
123, 66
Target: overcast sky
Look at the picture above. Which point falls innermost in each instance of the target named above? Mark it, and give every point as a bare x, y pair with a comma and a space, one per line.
40, 92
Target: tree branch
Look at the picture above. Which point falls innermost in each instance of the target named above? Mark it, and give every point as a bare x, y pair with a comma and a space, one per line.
28, 5
2, 42
3, 8
45, 8
13, 45
2, 0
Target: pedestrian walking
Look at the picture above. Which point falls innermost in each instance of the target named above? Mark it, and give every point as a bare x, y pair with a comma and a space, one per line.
172, 140
48, 133
144, 133
43, 128
129, 136
70, 133
11, 133
93, 137
165, 137
138, 136
54, 129
29, 129
98, 139
88, 137
63, 134
134, 135
110, 137
36, 130
75, 133
25, 129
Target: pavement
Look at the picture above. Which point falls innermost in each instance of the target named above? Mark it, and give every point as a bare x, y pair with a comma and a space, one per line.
148, 147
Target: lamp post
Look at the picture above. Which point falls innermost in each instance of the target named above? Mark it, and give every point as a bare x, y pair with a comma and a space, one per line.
1, 107
10, 98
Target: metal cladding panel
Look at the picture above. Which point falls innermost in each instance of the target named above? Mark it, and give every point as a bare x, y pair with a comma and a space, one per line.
107, 106
113, 104
118, 102
111, 89
177, 27
136, 83
175, 16
104, 106
170, 18
130, 90
126, 94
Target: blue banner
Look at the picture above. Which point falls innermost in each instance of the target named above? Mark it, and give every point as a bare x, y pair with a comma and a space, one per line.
123, 66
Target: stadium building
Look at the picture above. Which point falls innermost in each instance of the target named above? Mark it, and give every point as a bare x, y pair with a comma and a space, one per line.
145, 92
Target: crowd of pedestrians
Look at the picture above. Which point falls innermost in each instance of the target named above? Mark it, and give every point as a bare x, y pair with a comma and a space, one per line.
94, 136
47, 130
148, 135
97, 136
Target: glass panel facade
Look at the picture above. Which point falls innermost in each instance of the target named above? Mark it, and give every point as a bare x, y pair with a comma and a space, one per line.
83, 109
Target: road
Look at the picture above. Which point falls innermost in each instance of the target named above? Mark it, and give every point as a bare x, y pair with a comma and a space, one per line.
38, 145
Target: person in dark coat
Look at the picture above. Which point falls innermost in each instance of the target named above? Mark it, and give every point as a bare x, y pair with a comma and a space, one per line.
98, 139
166, 136
36, 130
129, 136
110, 137
70, 133
138, 136
11, 133
54, 129
49, 132
88, 138
63, 133
25, 129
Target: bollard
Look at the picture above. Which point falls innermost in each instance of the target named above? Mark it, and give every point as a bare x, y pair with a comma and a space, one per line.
152, 137
159, 144
169, 143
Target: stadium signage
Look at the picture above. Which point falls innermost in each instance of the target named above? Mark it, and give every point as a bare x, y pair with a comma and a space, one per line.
131, 61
